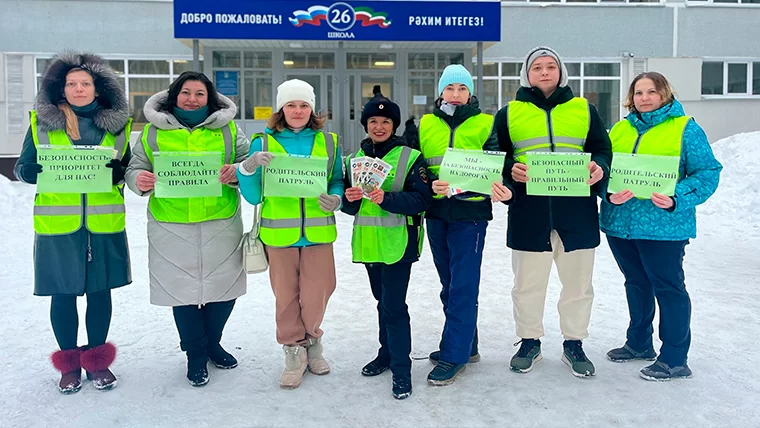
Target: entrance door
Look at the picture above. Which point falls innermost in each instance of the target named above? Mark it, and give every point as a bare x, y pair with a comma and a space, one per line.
323, 90
360, 90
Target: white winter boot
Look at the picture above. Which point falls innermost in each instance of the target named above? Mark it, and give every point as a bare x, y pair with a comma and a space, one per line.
317, 363
295, 366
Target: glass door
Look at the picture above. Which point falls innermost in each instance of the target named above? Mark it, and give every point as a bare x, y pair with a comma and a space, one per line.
361, 89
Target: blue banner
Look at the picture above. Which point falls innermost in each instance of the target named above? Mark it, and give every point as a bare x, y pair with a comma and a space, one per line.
411, 21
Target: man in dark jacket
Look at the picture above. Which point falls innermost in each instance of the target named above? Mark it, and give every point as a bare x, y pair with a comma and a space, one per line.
545, 228
387, 234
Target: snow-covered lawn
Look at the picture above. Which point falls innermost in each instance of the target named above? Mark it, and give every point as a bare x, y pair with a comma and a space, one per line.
722, 270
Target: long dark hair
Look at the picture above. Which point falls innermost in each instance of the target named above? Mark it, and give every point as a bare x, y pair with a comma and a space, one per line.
176, 87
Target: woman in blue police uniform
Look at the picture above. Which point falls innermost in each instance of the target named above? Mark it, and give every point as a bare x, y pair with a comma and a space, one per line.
80, 245
388, 234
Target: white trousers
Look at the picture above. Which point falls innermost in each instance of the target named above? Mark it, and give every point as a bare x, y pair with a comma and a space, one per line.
532, 271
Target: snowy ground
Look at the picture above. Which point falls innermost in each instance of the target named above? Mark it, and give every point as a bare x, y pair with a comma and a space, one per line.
722, 268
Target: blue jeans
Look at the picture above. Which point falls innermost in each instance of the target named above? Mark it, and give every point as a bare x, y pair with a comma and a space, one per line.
457, 253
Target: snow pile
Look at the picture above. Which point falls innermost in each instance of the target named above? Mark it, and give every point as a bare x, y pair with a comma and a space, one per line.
738, 195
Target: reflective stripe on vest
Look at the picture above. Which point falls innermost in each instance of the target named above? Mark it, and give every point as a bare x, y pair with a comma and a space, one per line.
193, 210
65, 213
562, 129
664, 139
378, 235
284, 221
436, 137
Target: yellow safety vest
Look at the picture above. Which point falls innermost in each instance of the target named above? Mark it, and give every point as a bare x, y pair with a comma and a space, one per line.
65, 213
380, 236
193, 210
436, 137
533, 129
664, 139
284, 221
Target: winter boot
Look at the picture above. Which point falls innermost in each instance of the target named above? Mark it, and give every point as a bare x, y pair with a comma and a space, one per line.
402, 387
576, 359
376, 367
197, 361
96, 361
68, 363
626, 353
296, 362
661, 372
444, 373
474, 355
317, 363
221, 358
197, 369
528, 354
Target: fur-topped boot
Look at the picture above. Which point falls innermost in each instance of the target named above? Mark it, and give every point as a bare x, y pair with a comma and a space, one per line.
96, 361
67, 362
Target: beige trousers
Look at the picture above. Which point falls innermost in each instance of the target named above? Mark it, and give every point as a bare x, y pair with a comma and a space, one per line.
303, 279
532, 271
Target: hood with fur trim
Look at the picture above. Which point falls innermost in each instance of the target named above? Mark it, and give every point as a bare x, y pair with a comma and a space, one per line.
114, 113
166, 120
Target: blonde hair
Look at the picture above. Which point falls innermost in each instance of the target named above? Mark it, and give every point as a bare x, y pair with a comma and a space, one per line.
72, 122
661, 85
277, 122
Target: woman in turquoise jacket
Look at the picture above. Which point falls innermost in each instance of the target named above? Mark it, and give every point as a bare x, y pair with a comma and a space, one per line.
301, 263
648, 236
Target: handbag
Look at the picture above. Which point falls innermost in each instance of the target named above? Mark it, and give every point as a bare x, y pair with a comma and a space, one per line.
254, 256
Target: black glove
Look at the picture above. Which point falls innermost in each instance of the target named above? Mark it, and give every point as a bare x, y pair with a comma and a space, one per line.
29, 172
117, 173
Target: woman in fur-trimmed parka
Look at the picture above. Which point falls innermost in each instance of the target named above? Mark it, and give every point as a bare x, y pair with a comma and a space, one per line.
80, 245
194, 257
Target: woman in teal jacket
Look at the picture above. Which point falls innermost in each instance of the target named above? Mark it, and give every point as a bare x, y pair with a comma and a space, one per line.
302, 272
648, 236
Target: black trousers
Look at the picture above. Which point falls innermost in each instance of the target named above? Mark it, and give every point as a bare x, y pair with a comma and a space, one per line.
389, 286
65, 319
201, 328
653, 270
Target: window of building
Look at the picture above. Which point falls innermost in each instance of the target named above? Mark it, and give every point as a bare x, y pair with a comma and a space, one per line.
253, 71
424, 71
731, 78
139, 78
599, 82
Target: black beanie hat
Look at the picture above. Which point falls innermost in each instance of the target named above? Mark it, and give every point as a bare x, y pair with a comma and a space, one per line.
383, 107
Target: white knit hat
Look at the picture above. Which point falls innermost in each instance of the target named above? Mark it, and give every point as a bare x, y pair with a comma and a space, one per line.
537, 53
295, 90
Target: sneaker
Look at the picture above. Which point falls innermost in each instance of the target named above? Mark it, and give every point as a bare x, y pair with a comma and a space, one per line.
375, 367
445, 373
402, 387
626, 353
435, 356
576, 359
221, 358
660, 372
528, 354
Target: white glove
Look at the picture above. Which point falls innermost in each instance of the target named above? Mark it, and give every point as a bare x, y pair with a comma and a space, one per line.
329, 203
256, 160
